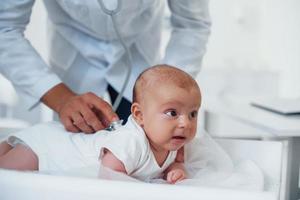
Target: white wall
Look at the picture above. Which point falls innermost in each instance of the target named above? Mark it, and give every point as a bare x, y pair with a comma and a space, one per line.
236, 28
280, 42
257, 35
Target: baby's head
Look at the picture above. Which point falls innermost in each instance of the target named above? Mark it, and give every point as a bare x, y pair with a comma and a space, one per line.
165, 104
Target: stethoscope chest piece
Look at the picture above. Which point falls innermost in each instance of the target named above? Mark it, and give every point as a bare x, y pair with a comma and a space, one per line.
114, 125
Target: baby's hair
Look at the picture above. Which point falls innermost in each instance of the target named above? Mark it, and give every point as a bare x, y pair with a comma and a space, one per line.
161, 74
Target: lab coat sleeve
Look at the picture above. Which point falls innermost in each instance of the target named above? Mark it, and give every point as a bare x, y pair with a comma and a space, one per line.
19, 61
190, 22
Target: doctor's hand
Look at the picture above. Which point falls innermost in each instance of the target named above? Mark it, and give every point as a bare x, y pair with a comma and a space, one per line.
86, 113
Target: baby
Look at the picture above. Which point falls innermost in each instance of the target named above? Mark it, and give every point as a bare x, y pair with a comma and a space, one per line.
163, 119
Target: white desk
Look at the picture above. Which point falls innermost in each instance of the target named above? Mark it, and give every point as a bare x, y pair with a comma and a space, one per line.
275, 125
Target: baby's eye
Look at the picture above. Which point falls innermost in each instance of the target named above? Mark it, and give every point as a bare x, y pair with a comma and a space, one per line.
194, 114
172, 113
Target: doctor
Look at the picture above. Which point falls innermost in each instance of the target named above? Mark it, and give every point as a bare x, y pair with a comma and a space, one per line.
86, 55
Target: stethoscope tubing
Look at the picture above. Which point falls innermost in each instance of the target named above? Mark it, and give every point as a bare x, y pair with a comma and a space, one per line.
112, 14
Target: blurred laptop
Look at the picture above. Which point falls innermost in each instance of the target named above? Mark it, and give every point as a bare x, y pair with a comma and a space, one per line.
283, 106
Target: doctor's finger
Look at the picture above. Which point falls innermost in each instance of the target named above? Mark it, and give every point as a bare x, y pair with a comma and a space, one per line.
91, 119
69, 126
80, 123
107, 113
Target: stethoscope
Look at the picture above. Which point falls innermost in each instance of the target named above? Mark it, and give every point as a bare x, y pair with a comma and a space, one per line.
112, 13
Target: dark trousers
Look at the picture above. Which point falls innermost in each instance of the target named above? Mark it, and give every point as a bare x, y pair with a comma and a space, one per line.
123, 111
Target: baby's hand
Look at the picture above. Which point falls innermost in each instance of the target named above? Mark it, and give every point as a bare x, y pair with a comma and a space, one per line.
176, 175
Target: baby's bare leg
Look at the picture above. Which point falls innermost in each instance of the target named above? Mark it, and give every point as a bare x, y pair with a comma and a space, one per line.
4, 148
20, 158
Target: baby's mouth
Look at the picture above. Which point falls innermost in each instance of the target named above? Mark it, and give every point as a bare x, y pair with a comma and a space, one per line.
179, 140
178, 137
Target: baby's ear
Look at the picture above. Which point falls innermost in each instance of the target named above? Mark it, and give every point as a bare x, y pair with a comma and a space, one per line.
137, 113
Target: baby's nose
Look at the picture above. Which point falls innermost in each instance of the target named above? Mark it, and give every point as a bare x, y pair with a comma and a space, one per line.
184, 121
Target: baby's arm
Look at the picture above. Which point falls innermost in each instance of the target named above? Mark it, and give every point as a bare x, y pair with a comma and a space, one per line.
175, 172
111, 161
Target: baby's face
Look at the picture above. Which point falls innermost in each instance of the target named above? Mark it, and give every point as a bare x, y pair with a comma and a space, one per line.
170, 116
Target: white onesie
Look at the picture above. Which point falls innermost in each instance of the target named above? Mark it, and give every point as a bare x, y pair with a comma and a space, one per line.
60, 150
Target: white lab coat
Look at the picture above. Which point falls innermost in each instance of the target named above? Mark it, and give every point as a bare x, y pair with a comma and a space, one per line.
84, 50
